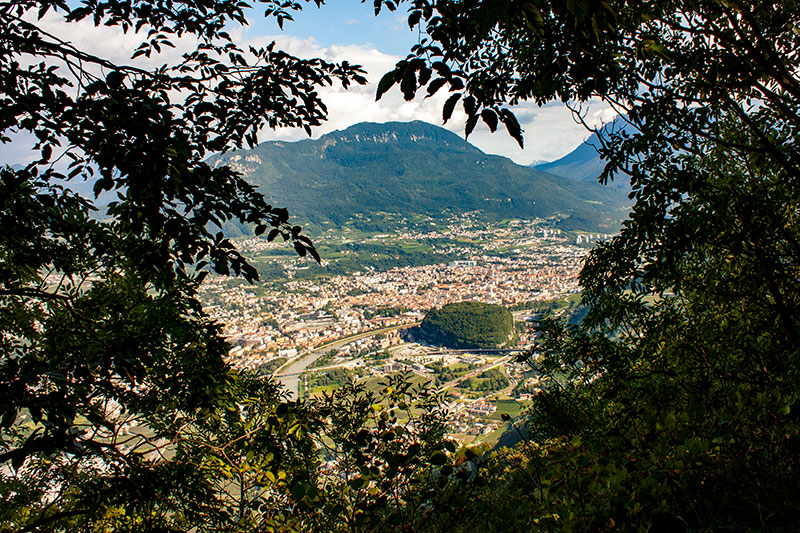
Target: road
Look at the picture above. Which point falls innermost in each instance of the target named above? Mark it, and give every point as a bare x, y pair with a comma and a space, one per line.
499, 362
507, 391
289, 374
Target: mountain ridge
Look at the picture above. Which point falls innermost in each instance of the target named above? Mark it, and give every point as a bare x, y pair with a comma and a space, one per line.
411, 168
583, 163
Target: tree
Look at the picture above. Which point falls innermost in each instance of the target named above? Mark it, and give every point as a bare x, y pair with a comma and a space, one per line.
389, 457
681, 410
673, 406
113, 384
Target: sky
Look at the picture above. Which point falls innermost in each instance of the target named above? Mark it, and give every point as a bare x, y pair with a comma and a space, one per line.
349, 30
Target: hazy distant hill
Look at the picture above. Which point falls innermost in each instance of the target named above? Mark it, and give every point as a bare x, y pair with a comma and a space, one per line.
413, 168
583, 163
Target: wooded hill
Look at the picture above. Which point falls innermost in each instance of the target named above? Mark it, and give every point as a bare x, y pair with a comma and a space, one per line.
414, 168
468, 325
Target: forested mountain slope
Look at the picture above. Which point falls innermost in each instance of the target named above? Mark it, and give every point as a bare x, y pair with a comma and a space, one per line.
412, 168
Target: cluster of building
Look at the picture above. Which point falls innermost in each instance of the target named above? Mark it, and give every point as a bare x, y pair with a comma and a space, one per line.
262, 321
500, 280
513, 265
469, 417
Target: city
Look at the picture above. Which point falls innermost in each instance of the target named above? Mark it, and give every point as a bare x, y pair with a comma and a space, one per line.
315, 334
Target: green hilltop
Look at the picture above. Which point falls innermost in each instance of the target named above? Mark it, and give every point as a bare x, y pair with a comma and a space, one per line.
414, 168
469, 325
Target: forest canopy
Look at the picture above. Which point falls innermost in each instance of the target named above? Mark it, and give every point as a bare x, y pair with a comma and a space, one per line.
469, 325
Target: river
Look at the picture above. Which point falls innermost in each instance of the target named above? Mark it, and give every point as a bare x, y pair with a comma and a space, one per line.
290, 375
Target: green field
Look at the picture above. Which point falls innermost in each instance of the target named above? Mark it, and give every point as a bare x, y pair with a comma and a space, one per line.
511, 408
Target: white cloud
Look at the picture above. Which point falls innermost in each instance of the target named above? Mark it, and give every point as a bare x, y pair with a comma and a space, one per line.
110, 42
602, 116
550, 131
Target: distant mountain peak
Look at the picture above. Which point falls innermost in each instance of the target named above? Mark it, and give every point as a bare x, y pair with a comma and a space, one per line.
584, 163
416, 133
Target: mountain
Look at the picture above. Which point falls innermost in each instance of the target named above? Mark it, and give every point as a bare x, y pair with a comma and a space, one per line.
583, 163
409, 169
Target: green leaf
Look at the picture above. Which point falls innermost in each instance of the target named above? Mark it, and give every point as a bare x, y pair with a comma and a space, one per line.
298, 491
47, 151
357, 483
449, 106
414, 18
409, 84
490, 119
512, 126
470, 106
435, 85
114, 79
438, 459
386, 83
472, 121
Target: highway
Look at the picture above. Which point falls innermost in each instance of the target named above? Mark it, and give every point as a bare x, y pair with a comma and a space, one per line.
453, 382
